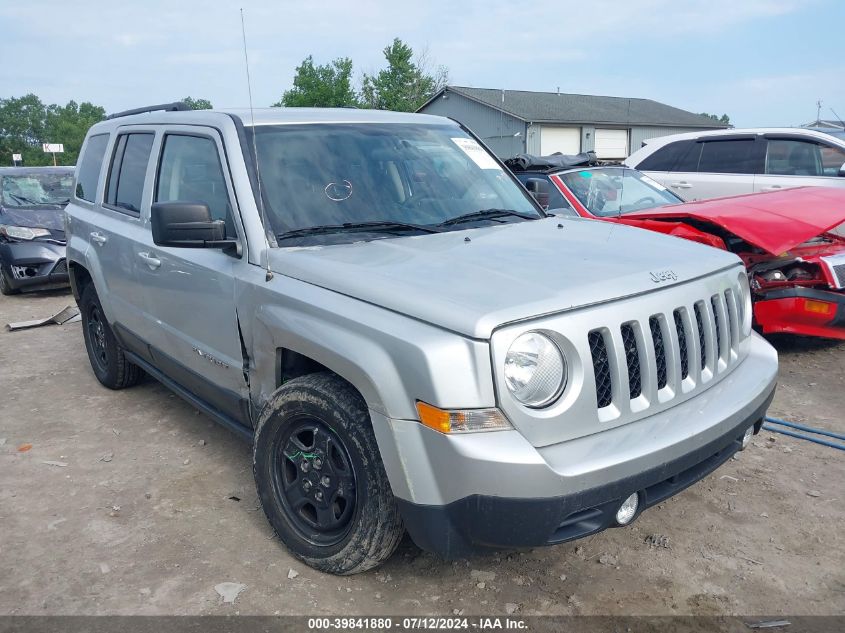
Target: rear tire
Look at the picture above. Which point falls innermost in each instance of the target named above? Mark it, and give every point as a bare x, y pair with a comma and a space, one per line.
5, 286
320, 477
110, 365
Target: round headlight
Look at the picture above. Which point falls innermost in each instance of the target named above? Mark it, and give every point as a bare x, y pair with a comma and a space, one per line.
535, 370
746, 309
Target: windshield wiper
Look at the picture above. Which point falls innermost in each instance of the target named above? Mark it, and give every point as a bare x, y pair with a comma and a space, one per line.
25, 200
375, 226
488, 214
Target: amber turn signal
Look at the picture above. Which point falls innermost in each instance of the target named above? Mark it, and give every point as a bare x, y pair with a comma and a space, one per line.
817, 307
461, 420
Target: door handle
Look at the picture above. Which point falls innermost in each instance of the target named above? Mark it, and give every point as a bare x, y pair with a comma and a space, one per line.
98, 238
681, 185
771, 188
149, 260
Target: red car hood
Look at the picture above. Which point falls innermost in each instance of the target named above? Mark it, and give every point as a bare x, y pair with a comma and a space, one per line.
775, 221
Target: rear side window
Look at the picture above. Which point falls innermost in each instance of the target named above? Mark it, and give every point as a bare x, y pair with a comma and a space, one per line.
730, 157
89, 167
665, 158
792, 157
833, 159
688, 160
190, 171
128, 169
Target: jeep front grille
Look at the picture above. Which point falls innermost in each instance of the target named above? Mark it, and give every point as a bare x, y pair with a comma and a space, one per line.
658, 357
682, 343
632, 360
601, 369
702, 343
659, 351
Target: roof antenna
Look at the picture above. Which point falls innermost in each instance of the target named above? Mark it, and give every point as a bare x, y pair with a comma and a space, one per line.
841, 122
261, 208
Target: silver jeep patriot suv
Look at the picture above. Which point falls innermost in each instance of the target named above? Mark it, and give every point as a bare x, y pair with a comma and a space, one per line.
406, 338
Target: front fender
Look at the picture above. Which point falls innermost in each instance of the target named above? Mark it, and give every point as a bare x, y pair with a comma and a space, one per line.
391, 359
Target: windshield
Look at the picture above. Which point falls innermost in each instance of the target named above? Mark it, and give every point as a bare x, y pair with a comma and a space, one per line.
331, 175
609, 191
28, 190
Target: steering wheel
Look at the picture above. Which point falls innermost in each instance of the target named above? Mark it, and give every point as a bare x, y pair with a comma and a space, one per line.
422, 210
645, 199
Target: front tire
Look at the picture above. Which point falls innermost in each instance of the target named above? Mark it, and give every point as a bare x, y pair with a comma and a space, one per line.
110, 365
320, 477
5, 287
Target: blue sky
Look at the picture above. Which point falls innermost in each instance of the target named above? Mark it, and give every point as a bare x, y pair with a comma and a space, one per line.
763, 62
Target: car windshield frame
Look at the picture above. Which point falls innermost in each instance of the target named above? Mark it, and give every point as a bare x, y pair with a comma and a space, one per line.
26, 197
340, 174
592, 192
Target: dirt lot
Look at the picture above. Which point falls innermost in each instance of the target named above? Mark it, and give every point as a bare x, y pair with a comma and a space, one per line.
148, 505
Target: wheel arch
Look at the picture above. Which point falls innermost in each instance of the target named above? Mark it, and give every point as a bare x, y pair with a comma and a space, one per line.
79, 279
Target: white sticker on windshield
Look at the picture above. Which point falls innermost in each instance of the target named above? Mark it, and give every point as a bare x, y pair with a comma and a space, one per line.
477, 154
653, 183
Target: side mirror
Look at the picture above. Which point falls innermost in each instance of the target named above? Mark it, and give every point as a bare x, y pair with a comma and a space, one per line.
187, 225
539, 189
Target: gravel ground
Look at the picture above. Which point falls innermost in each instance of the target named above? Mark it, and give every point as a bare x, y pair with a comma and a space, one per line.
132, 502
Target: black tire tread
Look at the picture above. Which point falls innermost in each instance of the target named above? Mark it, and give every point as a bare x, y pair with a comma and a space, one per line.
126, 374
5, 288
382, 530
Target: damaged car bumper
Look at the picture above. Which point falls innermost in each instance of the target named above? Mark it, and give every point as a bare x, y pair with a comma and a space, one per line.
463, 493
802, 311
34, 264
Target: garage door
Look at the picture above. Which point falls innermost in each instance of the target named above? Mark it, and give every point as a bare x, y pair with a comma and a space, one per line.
566, 140
611, 143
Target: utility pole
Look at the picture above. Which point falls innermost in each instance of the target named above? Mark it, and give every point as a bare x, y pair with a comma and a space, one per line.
818, 112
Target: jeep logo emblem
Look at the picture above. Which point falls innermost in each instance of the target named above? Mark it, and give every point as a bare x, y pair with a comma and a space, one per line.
663, 275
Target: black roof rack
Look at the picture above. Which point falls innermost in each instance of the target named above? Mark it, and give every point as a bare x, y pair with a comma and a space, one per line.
176, 106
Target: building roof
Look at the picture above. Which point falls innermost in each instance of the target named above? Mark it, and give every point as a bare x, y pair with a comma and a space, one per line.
553, 107
829, 123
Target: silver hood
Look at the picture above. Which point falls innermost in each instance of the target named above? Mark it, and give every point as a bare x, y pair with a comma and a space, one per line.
505, 273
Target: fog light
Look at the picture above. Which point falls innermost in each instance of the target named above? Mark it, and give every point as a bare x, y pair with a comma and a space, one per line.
628, 509
746, 438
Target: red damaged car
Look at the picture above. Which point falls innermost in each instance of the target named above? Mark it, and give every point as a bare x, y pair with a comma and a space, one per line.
796, 264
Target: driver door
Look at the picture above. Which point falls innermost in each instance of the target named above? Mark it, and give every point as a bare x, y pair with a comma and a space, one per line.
190, 292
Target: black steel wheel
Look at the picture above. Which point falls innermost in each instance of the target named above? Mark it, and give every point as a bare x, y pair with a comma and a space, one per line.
314, 481
320, 477
96, 326
110, 365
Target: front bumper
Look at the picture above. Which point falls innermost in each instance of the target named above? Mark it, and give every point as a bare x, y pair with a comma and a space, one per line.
35, 264
787, 311
461, 493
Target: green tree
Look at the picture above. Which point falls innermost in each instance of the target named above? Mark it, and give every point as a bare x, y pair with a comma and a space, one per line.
68, 125
724, 119
22, 129
321, 86
26, 123
405, 84
197, 104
